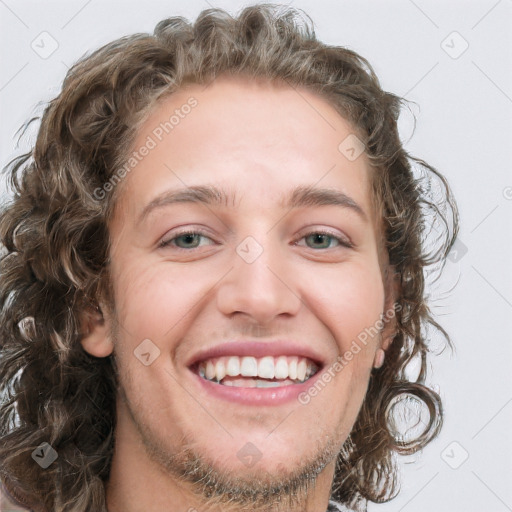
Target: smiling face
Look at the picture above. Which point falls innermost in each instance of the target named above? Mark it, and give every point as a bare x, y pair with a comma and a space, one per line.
238, 283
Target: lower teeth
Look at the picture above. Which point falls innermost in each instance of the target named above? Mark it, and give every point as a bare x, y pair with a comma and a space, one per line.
256, 383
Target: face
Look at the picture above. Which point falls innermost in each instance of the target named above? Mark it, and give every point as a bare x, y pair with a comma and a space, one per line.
238, 284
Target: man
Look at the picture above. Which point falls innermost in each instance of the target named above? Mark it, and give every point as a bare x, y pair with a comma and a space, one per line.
213, 278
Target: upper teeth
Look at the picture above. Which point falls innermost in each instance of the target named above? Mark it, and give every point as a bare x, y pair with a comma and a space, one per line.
268, 367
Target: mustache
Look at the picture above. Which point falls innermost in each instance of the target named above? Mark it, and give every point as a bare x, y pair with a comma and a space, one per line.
255, 331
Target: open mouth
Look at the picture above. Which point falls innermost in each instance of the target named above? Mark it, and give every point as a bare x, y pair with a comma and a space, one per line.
256, 372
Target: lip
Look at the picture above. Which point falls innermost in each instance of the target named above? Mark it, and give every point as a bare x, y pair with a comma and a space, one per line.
256, 396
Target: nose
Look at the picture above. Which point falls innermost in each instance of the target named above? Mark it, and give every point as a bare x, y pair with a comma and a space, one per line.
261, 284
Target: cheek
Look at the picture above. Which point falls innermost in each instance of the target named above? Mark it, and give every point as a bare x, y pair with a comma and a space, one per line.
349, 302
152, 300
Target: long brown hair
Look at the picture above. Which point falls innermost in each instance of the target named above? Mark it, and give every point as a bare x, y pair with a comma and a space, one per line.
54, 265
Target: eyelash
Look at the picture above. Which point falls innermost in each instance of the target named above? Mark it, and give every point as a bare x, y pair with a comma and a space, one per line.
342, 242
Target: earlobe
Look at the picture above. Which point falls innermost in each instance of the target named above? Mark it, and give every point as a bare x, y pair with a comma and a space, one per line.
95, 331
379, 358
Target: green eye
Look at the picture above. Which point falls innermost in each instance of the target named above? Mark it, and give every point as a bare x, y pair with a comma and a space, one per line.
190, 239
320, 238
324, 238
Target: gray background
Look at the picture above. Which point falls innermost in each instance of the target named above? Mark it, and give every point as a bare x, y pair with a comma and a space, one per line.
463, 107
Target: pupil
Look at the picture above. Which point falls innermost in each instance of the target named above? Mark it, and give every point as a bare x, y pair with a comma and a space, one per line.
318, 238
189, 238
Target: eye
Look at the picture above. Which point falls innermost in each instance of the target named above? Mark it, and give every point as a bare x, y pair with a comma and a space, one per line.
189, 240
324, 239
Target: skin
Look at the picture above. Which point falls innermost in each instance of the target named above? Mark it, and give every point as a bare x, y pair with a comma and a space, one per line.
257, 140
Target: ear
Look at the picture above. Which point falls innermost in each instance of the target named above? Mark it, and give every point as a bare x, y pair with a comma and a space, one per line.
96, 339
392, 288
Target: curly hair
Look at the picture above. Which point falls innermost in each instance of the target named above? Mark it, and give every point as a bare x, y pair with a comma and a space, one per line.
54, 267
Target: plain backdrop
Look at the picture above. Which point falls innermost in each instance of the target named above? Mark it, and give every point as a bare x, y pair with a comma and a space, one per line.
453, 60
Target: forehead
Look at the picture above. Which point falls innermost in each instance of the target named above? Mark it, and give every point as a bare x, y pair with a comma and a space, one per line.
254, 137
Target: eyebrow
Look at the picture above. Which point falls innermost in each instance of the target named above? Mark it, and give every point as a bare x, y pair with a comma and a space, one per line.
306, 196
300, 197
